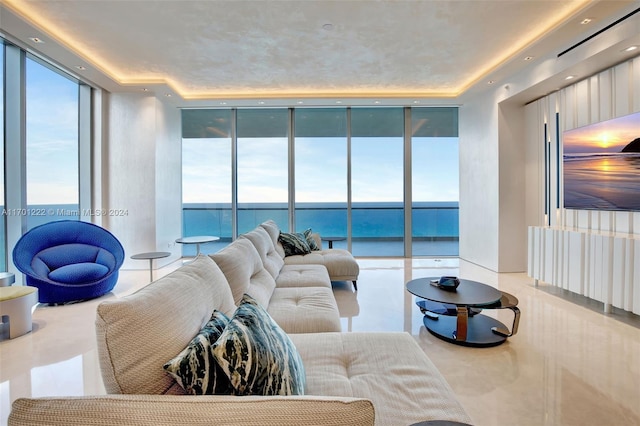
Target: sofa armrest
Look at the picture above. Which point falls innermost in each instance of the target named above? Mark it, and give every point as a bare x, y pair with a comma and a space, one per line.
159, 410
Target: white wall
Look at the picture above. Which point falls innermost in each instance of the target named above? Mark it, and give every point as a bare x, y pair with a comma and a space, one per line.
141, 175
479, 196
492, 182
168, 179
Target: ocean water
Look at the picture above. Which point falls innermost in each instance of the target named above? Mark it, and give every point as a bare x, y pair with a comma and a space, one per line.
602, 181
377, 228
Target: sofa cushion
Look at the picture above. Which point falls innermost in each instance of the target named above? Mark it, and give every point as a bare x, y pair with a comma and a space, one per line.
241, 264
303, 276
340, 263
273, 230
76, 273
305, 309
195, 368
261, 240
388, 368
294, 243
138, 333
257, 356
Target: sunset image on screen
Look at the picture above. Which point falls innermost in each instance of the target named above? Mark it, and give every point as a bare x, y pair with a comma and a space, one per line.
602, 165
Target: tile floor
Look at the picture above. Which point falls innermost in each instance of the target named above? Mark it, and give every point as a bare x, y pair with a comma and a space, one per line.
569, 364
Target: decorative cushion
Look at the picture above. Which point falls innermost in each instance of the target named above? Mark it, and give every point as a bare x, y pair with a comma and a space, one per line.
308, 235
195, 368
77, 273
257, 356
294, 243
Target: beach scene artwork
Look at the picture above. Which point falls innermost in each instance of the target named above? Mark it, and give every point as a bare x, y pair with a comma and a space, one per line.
601, 165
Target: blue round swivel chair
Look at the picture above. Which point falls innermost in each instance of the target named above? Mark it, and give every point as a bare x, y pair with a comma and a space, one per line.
69, 260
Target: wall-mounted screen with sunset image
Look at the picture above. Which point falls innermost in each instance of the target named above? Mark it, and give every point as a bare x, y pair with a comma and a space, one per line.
602, 165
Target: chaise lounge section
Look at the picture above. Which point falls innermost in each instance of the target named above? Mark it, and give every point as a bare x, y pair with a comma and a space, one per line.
340, 264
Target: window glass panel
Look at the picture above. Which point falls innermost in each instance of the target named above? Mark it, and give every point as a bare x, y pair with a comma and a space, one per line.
321, 172
435, 181
206, 177
3, 238
377, 158
52, 145
262, 167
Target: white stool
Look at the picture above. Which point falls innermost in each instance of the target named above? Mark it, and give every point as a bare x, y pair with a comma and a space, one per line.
16, 303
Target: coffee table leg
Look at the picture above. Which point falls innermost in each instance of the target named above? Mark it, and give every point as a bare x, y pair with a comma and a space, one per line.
503, 331
462, 324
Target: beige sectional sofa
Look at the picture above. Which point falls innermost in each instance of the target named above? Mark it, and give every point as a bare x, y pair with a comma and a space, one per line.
351, 378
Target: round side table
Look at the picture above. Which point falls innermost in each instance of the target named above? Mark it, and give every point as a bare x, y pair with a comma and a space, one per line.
6, 279
197, 240
151, 256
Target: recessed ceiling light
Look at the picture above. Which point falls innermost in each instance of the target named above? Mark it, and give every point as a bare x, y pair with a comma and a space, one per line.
36, 40
528, 58
223, 103
491, 81
300, 102
168, 95
144, 89
328, 26
376, 102
80, 67
570, 77
416, 102
630, 49
585, 21
260, 102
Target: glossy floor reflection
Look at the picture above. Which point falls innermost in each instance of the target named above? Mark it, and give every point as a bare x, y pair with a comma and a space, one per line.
568, 365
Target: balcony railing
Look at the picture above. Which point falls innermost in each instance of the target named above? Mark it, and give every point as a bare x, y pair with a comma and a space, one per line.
377, 227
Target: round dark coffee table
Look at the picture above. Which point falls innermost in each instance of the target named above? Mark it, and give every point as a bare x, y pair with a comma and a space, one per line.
455, 316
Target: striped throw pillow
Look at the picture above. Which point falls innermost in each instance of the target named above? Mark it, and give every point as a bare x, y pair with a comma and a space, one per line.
308, 235
257, 355
294, 243
195, 369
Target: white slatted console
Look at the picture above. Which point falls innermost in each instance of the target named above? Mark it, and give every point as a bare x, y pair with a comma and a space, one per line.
603, 266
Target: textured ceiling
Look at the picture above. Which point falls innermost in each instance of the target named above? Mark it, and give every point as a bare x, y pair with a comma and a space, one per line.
211, 49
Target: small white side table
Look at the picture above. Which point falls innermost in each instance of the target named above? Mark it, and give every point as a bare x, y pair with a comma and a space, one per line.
6, 279
150, 256
197, 240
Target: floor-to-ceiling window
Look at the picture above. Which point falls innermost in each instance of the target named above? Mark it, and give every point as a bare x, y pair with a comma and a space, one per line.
346, 171
377, 181
52, 145
262, 158
434, 181
46, 129
206, 175
321, 172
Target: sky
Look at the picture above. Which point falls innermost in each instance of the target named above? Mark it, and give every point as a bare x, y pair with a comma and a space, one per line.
320, 170
52, 137
605, 137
